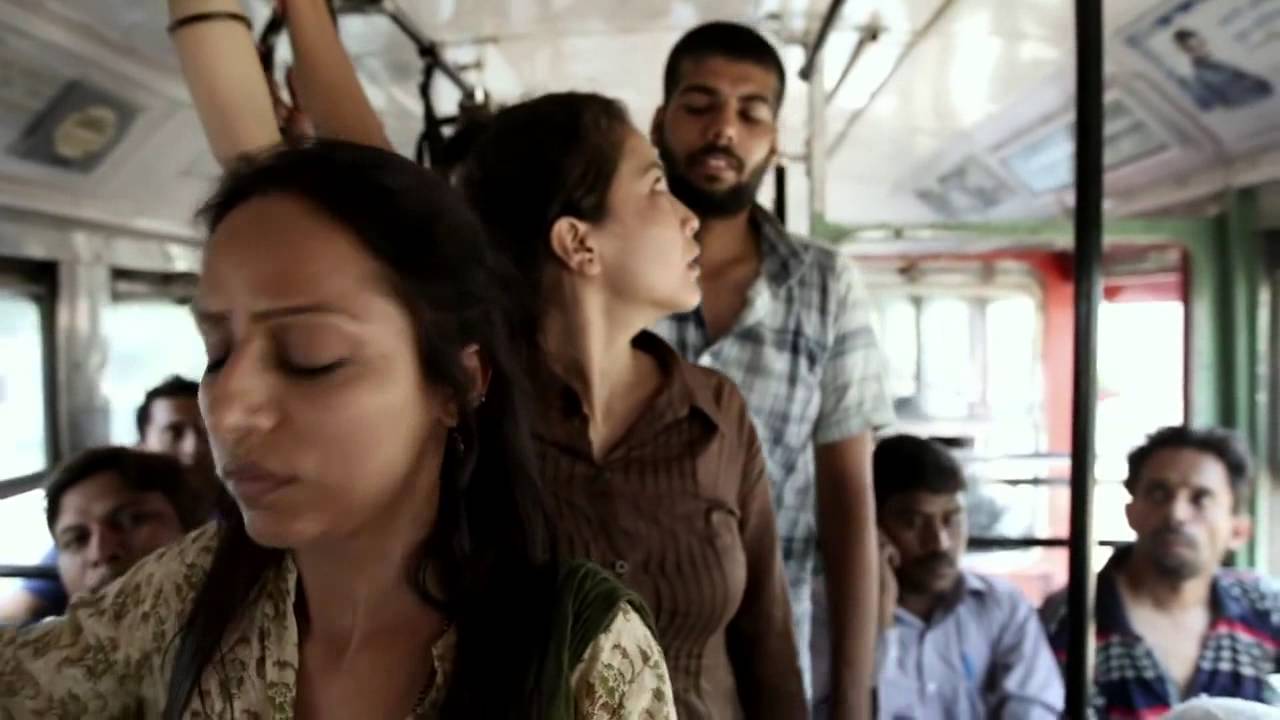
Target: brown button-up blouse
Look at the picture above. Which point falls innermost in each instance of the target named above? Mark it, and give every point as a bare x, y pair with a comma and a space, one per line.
680, 511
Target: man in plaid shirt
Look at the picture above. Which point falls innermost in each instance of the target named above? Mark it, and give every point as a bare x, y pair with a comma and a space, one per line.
1171, 625
788, 321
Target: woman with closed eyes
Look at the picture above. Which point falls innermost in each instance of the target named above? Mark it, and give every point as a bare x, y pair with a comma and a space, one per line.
650, 464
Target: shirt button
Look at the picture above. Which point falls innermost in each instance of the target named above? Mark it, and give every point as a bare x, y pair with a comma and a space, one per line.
620, 567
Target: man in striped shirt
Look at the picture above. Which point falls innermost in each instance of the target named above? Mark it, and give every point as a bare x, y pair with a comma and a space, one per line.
1171, 624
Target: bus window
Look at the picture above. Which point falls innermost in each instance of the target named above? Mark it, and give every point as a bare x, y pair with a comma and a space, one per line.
1014, 383
947, 369
24, 443
963, 362
148, 340
898, 329
1141, 380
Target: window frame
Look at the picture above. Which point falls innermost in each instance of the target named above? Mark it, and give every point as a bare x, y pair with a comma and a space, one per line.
978, 283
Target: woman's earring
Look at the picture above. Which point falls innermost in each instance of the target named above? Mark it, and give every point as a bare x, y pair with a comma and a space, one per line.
458, 444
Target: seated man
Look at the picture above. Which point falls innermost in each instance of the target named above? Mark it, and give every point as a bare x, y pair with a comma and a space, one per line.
954, 645
1171, 624
169, 422
108, 508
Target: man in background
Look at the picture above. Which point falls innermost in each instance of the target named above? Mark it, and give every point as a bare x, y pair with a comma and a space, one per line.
1172, 624
954, 644
110, 507
169, 423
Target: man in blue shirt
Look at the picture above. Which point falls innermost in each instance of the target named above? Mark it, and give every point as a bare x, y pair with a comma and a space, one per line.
954, 645
169, 423
1172, 624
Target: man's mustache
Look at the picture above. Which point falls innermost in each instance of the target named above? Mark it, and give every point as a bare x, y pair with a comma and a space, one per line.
1173, 533
934, 561
715, 151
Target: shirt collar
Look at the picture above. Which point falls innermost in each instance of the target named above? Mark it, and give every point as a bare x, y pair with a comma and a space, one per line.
782, 257
682, 392
970, 585
1109, 607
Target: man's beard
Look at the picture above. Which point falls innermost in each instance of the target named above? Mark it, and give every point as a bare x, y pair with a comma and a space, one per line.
712, 203
1173, 566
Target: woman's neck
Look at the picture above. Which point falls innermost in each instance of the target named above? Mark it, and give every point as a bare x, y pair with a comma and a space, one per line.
359, 584
590, 348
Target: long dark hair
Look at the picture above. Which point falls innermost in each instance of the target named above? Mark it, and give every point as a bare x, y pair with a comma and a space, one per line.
490, 536
540, 160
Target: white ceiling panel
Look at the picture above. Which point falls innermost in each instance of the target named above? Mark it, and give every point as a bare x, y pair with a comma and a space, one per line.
919, 97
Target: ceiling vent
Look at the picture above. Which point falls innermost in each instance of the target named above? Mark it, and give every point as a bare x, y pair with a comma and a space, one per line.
969, 187
1044, 161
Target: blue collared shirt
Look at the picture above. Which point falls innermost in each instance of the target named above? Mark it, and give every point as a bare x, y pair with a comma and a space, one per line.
983, 654
1238, 652
806, 359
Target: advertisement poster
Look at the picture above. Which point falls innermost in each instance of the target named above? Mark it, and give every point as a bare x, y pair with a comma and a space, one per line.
1220, 58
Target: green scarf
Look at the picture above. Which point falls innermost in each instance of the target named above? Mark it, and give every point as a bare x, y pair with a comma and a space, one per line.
588, 600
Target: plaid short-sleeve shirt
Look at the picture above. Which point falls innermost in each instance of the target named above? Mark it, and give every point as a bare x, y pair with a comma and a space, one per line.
805, 356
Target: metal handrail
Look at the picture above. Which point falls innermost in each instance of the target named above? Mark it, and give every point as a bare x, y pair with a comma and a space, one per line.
1004, 543
431, 138
21, 484
34, 572
824, 30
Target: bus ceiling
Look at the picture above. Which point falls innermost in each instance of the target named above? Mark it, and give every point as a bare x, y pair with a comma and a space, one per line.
931, 111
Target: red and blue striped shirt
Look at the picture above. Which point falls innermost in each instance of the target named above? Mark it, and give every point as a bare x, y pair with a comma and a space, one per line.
1238, 653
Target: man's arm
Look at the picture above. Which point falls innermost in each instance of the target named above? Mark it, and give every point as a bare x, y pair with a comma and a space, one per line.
35, 598
847, 540
855, 401
20, 607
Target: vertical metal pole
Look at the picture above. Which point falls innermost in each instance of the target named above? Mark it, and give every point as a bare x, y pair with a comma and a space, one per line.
817, 154
1088, 259
780, 193
84, 416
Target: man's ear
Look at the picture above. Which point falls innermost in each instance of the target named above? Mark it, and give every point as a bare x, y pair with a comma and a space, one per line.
572, 243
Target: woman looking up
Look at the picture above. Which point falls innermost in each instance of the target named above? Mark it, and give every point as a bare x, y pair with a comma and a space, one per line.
651, 464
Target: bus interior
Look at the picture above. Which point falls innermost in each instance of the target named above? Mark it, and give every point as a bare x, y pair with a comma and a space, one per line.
931, 141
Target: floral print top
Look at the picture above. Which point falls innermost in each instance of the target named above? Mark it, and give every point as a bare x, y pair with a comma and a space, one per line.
109, 657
